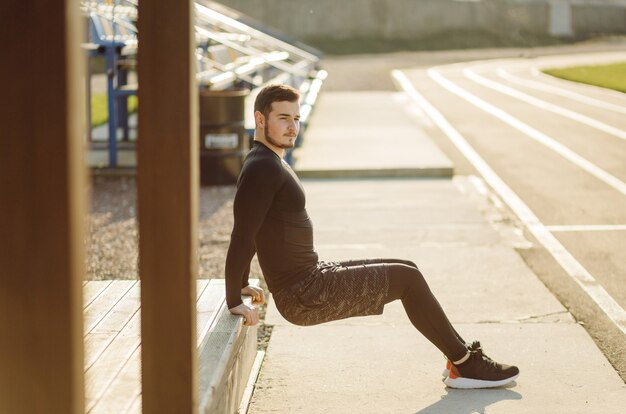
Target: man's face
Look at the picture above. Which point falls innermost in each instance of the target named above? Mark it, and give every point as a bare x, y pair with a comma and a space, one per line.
282, 124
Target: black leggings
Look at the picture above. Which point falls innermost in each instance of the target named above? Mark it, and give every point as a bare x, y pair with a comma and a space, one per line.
407, 283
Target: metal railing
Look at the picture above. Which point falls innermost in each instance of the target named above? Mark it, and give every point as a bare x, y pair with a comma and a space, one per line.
229, 54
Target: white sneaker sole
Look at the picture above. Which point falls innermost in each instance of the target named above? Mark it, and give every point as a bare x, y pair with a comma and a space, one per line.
470, 383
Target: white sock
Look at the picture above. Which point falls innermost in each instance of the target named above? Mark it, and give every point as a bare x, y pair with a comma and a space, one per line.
462, 360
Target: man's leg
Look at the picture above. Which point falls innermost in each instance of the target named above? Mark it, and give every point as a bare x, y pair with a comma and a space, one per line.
476, 369
349, 284
401, 283
407, 283
336, 291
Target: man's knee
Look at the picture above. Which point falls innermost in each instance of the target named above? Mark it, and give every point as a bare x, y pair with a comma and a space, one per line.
402, 278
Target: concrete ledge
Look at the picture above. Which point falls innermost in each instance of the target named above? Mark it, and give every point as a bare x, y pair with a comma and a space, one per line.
341, 140
226, 348
114, 172
98, 160
225, 360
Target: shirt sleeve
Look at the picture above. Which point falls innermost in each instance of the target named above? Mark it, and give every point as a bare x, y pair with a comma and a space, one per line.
246, 273
258, 184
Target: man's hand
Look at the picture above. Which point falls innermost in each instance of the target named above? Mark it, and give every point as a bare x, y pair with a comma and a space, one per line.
258, 296
250, 314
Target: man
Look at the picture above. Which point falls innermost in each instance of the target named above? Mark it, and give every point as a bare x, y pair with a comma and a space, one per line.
271, 221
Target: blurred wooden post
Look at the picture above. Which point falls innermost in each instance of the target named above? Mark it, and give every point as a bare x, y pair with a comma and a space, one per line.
167, 205
42, 207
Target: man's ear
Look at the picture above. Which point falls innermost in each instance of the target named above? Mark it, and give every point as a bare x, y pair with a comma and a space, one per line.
259, 119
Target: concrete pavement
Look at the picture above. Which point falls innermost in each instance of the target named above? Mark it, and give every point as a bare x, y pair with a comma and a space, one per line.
465, 249
367, 134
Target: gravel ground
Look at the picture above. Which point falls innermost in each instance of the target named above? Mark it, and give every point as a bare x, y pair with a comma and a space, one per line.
112, 243
112, 250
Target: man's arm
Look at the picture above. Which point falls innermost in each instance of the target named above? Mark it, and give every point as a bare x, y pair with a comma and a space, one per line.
256, 189
246, 273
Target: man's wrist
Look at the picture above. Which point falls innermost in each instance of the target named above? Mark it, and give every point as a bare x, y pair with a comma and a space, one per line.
232, 306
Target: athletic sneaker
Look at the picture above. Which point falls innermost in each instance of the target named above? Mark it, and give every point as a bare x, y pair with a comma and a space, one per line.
446, 370
475, 346
480, 371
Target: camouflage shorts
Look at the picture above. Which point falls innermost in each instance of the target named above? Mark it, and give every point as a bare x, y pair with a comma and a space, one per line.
335, 290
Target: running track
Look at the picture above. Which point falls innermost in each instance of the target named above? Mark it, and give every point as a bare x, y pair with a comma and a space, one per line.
554, 152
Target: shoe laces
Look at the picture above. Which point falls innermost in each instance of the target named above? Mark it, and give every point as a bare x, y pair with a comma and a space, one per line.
484, 360
476, 346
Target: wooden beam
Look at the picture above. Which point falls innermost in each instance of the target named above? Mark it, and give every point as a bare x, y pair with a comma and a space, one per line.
167, 205
42, 208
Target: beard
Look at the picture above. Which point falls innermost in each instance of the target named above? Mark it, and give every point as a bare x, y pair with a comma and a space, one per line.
276, 143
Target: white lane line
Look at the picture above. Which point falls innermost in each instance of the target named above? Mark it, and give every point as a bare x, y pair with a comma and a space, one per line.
571, 266
537, 72
539, 103
540, 137
544, 87
588, 227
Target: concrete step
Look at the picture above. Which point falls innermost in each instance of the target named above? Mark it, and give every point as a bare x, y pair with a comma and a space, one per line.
367, 134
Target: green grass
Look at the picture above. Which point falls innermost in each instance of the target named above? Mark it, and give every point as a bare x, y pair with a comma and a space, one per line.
99, 110
611, 76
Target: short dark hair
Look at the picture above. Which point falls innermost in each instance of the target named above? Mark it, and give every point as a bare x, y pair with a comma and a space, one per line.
274, 93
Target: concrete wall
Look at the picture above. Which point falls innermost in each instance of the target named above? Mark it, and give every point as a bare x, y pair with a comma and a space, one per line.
391, 19
605, 17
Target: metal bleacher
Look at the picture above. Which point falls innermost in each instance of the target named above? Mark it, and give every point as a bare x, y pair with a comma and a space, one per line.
232, 51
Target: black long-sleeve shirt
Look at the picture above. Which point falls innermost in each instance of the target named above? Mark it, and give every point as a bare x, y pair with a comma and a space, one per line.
271, 220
